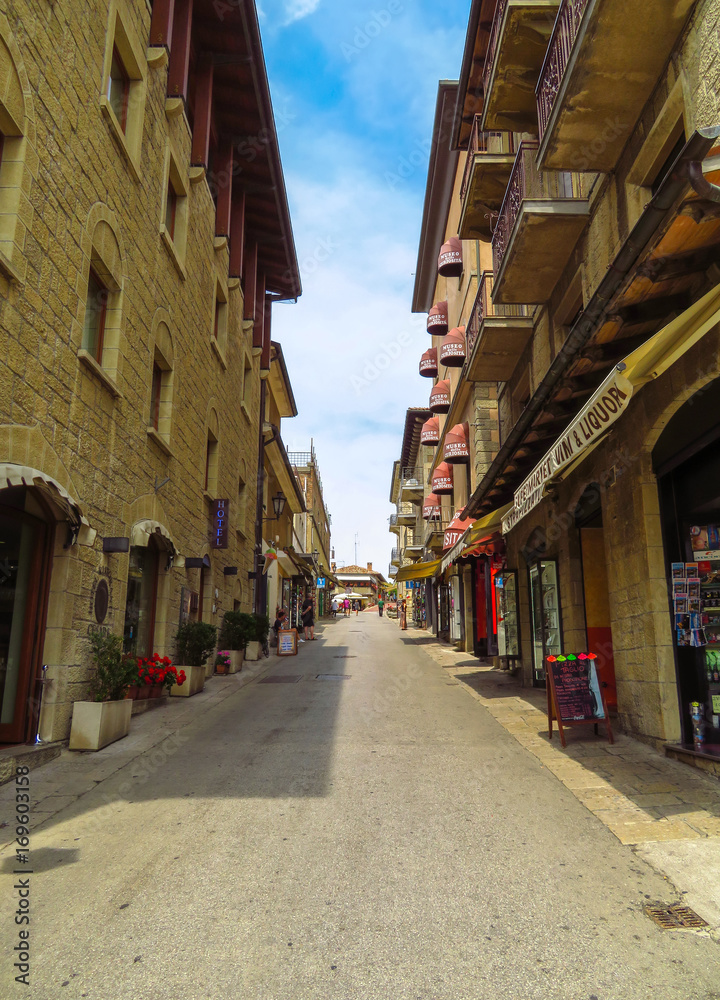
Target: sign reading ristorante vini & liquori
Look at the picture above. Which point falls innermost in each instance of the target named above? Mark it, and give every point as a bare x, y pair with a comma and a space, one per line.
603, 409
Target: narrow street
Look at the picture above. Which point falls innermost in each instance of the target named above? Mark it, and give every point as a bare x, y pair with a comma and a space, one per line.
377, 837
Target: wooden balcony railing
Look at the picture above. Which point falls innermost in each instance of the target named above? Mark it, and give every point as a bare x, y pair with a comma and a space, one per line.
497, 143
561, 45
484, 307
526, 182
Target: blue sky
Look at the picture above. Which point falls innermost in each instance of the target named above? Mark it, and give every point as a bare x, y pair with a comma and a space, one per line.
354, 88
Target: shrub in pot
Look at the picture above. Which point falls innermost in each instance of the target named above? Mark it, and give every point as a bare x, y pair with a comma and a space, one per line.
106, 718
235, 633
195, 642
258, 633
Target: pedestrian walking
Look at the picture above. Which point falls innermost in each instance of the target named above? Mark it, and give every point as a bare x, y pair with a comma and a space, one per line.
334, 607
381, 605
356, 606
346, 607
308, 617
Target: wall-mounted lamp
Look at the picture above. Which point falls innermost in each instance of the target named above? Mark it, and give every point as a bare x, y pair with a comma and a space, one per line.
278, 502
116, 544
230, 571
193, 562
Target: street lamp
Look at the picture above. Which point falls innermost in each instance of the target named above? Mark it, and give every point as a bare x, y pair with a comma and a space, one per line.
315, 555
278, 502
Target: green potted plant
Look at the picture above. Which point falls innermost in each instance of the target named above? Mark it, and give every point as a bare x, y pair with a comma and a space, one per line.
258, 633
222, 661
106, 718
235, 633
195, 641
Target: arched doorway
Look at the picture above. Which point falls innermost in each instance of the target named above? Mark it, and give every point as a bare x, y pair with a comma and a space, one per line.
686, 460
26, 537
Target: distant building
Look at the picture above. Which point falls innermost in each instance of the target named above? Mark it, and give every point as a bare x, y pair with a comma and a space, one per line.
312, 527
363, 580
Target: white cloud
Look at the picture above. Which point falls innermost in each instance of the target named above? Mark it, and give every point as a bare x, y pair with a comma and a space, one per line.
296, 10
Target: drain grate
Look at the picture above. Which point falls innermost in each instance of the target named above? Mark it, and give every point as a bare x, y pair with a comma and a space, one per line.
674, 916
333, 677
282, 679
345, 656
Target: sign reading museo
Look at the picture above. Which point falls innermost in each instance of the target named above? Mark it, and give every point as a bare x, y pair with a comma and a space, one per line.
602, 410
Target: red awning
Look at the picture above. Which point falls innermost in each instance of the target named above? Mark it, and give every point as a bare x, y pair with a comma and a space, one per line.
452, 349
429, 363
432, 506
455, 530
442, 480
456, 445
437, 321
440, 396
430, 432
450, 261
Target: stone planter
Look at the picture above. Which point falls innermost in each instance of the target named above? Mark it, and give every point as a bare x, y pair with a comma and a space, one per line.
194, 682
252, 651
95, 724
236, 660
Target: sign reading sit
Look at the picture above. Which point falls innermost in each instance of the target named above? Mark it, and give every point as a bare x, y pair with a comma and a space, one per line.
220, 516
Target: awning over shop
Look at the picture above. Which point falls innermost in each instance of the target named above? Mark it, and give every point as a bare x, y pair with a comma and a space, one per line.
420, 571
456, 445
450, 259
440, 396
143, 531
430, 433
472, 539
429, 363
22, 475
452, 348
437, 321
612, 398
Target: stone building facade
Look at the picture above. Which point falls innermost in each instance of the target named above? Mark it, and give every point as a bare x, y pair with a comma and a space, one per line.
140, 252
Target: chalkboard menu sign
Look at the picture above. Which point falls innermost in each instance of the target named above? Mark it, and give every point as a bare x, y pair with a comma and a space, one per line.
574, 693
287, 642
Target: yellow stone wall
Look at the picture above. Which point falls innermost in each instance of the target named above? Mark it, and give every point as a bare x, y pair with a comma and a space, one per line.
80, 193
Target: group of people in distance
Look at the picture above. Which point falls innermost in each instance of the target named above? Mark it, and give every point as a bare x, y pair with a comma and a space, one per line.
345, 605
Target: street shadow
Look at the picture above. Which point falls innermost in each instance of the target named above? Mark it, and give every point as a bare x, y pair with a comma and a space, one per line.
43, 859
659, 787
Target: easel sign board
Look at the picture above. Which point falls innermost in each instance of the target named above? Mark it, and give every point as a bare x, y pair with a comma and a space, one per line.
574, 695
287, 642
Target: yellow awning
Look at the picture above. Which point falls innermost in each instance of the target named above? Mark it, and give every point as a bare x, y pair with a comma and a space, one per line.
485, 526
420, 571
662, 350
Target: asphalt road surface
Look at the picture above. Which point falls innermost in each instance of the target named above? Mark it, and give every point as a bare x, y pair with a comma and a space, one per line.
377, 837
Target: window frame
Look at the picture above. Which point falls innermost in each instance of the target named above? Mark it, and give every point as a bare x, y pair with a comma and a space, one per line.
125, 80
156, 388
97, 353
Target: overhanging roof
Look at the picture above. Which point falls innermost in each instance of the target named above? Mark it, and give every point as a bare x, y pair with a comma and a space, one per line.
280, 382
438, 193
470, 93
244, 113
414, 419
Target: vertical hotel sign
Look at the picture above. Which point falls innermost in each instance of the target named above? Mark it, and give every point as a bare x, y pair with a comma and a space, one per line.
220, 514
603, 409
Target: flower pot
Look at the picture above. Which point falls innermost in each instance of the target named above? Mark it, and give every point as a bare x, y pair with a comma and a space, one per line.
194, 682
156, 691
236, 660
252, 652
221, 668
95, 724
132, 692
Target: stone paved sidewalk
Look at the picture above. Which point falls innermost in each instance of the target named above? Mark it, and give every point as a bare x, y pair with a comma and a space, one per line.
639, 794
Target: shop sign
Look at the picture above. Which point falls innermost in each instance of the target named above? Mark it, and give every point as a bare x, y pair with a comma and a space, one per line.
455, 449
603, 409
321, 582
220, 513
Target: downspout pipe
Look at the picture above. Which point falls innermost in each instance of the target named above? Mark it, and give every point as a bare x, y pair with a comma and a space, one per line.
687, 168
260, 579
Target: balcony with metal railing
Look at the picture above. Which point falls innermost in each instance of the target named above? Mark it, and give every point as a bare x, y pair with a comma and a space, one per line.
496, 335
435, 530
411, 484
395, 557
414, 544
518, 41
489, 163
394, 526
406, 514
602, 65
542, 216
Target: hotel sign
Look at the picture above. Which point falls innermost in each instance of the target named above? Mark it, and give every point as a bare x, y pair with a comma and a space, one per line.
603, 409
220, 514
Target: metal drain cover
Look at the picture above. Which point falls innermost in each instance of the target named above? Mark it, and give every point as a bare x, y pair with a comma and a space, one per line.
282, 679
674, 916
333, 677
345, 656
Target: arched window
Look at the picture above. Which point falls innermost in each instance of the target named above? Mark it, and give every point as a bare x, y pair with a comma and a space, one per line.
17, 137
101, 308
